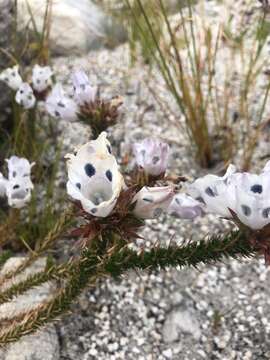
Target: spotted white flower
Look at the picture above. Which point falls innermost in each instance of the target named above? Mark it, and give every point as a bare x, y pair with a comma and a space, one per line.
185, 207
61, 106
215, 192
18, 191
11, 77
151, 202
3, 185
152, 155
94, 178
252, 205
19, 167
41, 77
84, 92
25, 96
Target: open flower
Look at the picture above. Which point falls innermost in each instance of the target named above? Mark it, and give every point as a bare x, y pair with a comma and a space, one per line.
19, 167
215, 192
152, 156
41, 77
94, 178
151, 202
59, 105
84, 92
11, 77
18, 191
25, 96
185, 207
252, 205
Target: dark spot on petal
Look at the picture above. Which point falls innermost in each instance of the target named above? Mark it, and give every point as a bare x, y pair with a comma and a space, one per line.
94, 210
78, 186
201, 200
246, 210
60, 104
143, 152
177, 201
16, 187
155, 159
14, 174
109, 175
257, 188
210, 192
109, 149
57, 114
89, 170
150, 200
266, 213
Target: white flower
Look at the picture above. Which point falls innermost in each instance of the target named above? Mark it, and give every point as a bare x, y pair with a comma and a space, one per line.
94, 178
18, 191
3, 185
18, 167
84, 92
59, 105
152, 155
185, 207
215, 192
41, 77
11, 77
252, 205
151, 202
19, 184
25, 97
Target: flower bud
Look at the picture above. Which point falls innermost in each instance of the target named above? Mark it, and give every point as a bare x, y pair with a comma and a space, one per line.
41, 77
94, 178
151, 202
84, 93
60, 106
11, 77
25, 96
152, 156
18, 191
18, 167
185, 207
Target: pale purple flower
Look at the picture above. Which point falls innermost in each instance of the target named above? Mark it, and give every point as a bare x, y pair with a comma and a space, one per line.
84, 92
61, 106
94, 178
25, 96
18, 167
152, 156
185, 207
151, 202
11, 77
41, 77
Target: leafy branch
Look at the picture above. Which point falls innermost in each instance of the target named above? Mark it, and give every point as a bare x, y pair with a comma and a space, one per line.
114, 261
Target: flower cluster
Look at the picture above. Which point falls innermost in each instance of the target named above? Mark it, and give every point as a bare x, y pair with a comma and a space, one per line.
28, 93
17, 187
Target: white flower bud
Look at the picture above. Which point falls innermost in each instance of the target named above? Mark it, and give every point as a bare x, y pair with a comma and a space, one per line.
11, 77
25, 97
185, 207
84, 92
60, 106
41, 77
151, 202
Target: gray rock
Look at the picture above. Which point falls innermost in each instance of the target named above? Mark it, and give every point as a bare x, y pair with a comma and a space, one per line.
180, 321
42, 345
76, 26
